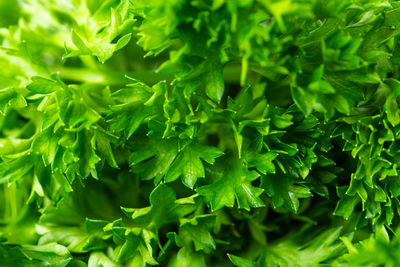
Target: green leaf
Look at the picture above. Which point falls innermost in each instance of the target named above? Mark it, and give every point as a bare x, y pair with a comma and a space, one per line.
187, 258
188, 163
99, 259
300, 99
41, 85
392, 110
215, 82
10, 98
234, 187
164, 208
196, 230
284, 190
152, 158
345, 206
241, 262
312, 251
137, 248
137, 103
14, 169
262, 162
35, 255
108, 21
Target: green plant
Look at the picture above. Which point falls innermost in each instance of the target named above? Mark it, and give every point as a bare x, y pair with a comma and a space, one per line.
199, 133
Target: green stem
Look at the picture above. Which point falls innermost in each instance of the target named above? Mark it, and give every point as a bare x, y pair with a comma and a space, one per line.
110, 78
231, 75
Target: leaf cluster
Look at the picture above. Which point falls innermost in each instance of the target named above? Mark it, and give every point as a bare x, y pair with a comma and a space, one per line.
199, 133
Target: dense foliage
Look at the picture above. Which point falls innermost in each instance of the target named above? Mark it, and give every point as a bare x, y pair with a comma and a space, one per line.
199, 133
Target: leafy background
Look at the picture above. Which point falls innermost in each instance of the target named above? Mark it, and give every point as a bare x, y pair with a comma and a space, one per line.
199, 133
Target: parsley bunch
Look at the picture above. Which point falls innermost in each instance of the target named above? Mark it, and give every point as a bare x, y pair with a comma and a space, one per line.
190, 133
